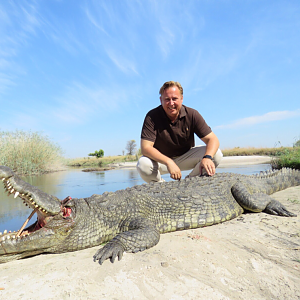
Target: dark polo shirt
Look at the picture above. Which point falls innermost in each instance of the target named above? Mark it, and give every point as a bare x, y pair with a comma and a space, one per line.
174, 139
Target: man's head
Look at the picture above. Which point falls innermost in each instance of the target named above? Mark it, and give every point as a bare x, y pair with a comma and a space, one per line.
169, 84
171, 98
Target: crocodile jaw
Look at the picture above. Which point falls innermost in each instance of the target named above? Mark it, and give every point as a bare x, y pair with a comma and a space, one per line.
54, 220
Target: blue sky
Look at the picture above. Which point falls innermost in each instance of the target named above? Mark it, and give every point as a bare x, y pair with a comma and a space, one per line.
85, 73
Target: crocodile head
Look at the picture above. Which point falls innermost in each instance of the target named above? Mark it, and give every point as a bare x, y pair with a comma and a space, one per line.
55, 220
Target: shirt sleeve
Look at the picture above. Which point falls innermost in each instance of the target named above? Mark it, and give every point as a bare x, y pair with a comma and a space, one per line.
201, 129
148, 130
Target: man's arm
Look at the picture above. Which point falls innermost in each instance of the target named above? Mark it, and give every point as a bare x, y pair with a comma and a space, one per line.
212, 146
151, 152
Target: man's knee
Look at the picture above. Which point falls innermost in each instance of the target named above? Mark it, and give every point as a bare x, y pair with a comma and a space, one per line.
144, 166
218, 157
148, 169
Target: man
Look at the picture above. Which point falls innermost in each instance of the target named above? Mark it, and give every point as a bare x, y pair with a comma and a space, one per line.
167, 139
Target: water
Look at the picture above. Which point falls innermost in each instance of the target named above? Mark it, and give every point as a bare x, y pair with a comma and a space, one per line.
78, 184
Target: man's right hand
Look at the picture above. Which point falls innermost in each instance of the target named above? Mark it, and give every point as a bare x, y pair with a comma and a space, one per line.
174, 170
148, 150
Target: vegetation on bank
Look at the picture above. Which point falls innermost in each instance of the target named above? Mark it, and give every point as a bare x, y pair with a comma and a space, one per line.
32, 153
282, 157
288, 158
29, 152
100, 162
237, 151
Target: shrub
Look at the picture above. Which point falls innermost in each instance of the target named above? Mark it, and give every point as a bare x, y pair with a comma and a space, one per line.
98, 154
28, 152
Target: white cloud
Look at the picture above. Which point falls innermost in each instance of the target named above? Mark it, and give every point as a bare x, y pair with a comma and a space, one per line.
268, 117
80, 102
124, 64
92, 19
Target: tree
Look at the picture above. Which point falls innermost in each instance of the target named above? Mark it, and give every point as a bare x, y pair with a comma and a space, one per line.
130, 147
98, 154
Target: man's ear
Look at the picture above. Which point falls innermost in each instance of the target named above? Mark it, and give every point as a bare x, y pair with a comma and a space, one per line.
160, 100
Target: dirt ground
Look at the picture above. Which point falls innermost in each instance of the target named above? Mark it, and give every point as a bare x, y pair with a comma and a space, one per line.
255, 256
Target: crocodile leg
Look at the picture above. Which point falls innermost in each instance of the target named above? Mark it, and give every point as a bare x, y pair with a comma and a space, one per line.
258, 202
276, 208
141, 235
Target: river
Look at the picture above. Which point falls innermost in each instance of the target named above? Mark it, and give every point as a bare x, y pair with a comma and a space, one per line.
78, 184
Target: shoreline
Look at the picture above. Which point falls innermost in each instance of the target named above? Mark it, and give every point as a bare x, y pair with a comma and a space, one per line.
227, 161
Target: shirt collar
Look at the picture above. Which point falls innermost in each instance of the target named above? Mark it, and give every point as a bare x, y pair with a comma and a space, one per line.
182, 113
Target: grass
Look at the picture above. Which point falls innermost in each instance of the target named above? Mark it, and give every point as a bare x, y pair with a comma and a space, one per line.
282, 157
32, 153
29, 152
295, 201
237, 151
289, 158
100, 162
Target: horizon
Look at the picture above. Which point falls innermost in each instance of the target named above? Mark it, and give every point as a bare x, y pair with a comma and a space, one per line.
85, 74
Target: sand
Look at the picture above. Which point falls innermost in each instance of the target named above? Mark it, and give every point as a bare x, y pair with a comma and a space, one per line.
255, 256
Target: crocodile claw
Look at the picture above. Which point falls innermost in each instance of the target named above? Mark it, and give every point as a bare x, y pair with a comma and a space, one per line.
111, 250
276, 208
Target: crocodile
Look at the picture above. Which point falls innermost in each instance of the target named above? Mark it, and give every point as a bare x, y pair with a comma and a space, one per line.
132, 219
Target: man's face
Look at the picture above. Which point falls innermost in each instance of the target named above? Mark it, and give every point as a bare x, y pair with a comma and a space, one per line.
171, 101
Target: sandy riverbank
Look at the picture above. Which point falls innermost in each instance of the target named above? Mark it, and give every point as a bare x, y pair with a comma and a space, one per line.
228, 161
256, 256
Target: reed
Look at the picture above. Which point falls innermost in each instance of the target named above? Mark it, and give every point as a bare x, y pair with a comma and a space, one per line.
29, 152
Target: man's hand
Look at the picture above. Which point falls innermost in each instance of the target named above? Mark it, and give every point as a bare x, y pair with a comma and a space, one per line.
208, 165
174, 170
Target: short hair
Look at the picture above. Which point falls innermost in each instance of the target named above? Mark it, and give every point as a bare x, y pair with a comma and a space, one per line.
168, 84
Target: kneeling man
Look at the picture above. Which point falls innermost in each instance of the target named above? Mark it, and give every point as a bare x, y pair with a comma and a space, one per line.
167, 139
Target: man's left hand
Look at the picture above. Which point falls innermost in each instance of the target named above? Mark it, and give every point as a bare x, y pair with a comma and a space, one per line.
208, 165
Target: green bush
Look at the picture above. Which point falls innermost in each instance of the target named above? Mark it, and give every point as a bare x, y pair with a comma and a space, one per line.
28, 152
98, 154
287, 159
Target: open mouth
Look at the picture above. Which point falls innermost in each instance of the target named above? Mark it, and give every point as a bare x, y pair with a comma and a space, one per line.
43, 216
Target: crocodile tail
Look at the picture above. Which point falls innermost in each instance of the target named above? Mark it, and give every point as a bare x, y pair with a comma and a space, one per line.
278, 180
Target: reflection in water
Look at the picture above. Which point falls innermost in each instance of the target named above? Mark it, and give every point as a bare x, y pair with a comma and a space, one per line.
13, 212
78, 184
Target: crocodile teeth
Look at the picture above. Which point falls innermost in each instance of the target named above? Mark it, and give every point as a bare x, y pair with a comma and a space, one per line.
3, 179
16, 195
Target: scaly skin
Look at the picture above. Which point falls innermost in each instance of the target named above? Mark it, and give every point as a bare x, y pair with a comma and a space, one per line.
132, 220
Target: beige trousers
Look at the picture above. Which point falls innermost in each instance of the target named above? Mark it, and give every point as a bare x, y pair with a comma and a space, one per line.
151, 170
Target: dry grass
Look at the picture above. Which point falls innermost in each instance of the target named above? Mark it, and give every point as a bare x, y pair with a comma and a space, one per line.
237, 151
28, 152
100, 162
